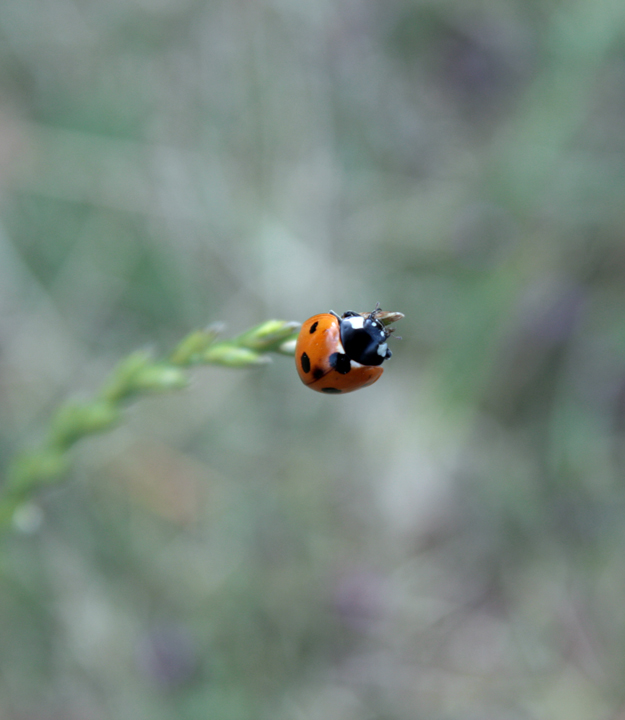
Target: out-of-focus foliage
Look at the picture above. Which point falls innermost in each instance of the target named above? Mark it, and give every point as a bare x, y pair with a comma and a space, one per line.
445, 545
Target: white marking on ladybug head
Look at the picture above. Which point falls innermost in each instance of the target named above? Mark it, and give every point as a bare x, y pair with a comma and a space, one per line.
356, 322
382, 349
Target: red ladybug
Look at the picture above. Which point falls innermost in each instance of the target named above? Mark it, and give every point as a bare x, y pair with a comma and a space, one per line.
338, 354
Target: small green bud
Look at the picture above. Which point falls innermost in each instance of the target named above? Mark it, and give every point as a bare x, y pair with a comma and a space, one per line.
40, 467
287, 347
120, 385
190, 349
74, 421
268, 336
159, 378
233, 356
140, 373
388, 318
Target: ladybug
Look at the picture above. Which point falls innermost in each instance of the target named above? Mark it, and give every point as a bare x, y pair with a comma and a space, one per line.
339, 354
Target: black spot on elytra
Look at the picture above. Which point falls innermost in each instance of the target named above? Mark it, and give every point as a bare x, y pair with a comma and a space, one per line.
305, 361
331, 391
313, 327
340, 362
318, 373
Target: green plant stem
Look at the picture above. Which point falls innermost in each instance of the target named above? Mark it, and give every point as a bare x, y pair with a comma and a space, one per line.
137, 375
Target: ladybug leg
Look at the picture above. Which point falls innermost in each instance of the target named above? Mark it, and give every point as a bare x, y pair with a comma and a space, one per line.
377, 310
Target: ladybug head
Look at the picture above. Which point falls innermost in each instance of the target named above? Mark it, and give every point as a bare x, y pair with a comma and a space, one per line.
364, 338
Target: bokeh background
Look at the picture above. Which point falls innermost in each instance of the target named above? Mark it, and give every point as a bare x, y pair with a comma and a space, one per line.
446, 545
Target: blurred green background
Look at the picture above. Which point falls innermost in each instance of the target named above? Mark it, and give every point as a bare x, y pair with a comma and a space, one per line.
446, 545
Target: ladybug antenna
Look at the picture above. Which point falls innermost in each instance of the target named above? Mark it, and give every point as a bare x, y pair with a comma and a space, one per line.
338, 317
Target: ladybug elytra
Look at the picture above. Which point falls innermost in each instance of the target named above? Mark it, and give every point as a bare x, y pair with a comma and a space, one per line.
339, 354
